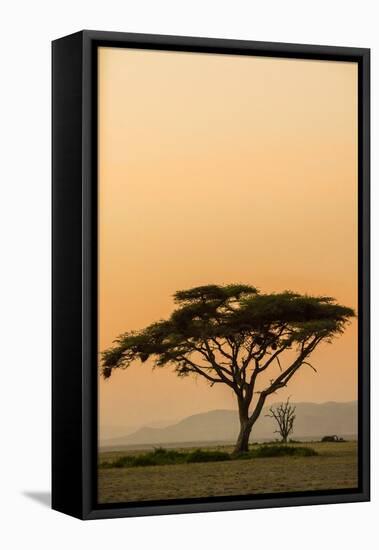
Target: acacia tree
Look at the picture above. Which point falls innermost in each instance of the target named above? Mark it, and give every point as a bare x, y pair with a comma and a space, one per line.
231, 335
284, 415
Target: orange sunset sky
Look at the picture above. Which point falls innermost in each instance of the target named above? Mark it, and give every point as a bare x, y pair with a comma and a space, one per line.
222, 169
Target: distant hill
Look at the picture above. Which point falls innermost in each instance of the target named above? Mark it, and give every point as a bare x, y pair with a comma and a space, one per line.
312, 420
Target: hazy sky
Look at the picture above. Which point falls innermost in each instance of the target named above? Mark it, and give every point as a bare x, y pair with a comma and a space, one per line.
222, 169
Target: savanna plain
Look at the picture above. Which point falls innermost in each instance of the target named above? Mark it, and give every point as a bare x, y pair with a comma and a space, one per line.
326, 466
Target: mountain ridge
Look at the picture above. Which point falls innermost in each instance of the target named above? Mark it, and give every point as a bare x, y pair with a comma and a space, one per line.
312, 419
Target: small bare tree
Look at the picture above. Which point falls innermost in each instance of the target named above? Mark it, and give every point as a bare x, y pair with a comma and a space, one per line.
284, 414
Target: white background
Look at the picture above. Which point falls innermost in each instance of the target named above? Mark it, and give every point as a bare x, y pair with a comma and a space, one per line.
26, 31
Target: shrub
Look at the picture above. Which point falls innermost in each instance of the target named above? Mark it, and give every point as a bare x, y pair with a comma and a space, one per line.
106, 464
268, 451
162, 457
144, 460
207, 456
122, 462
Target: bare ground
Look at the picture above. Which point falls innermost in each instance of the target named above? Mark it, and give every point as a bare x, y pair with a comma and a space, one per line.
334, 468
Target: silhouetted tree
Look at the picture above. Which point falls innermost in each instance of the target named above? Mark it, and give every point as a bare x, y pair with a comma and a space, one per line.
231, 335
284, 414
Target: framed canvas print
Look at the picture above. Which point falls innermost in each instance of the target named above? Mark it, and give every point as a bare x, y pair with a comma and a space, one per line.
210, 274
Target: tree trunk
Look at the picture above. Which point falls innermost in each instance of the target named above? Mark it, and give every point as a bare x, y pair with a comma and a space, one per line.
247, 422
242, 443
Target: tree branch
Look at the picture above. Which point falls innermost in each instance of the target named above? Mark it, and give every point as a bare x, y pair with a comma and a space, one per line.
221, 350
282, 380
272, 358
198, 370
221, 371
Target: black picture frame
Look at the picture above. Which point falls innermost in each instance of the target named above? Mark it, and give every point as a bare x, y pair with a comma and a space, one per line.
74, 272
